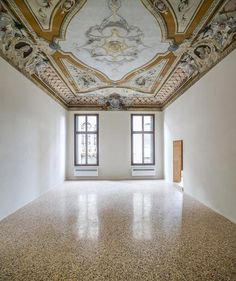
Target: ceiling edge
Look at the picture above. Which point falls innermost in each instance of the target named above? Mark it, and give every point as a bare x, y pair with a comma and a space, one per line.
44, 88
189, 84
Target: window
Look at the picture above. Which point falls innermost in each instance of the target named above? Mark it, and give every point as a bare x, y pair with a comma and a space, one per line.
142, 139
86, 140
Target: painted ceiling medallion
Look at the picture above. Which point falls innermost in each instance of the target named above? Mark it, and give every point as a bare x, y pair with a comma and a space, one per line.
115, 41
116, 54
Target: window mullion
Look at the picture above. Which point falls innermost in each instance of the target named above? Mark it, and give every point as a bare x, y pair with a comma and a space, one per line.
86, 139
142, 148
86, 148
142, 139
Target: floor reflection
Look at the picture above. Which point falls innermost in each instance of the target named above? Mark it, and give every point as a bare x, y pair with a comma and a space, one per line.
170, 215
88, 224
119, 230
142, 206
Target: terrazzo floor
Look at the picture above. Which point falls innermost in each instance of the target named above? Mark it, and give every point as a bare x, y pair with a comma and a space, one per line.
116, 230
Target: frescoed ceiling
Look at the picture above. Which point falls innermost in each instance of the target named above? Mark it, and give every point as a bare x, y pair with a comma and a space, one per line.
116, 54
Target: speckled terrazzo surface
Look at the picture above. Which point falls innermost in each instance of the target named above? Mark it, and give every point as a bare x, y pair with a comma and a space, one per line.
128, 230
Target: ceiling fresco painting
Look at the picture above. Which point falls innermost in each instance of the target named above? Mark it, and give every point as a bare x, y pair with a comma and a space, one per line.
114, 43
84, 80
184, 11
116, 54
42, 11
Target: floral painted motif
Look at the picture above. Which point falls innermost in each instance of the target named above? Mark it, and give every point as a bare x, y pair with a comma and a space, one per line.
114, 40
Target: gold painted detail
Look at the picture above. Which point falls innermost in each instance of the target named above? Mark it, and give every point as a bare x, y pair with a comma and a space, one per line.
114, 40
187, 59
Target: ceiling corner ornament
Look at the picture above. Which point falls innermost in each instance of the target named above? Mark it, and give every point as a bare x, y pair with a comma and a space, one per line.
112, 59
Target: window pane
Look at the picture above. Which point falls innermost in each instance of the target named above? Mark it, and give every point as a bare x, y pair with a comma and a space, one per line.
137, 148
148, 123
81, 149
148, 148
92, 149
80, 124
92, 123
137, 123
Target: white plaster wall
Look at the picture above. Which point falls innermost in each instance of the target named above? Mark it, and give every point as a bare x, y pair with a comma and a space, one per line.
205, 118
115, 144
32, 141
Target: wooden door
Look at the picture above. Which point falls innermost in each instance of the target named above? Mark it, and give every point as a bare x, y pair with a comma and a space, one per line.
177, 160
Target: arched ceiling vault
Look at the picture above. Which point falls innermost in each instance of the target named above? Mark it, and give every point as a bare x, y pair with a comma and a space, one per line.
116, 54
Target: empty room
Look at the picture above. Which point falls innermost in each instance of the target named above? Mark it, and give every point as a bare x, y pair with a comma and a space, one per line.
117, 140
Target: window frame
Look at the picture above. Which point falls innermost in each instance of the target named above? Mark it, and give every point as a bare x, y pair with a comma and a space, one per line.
86, 132
152, 132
